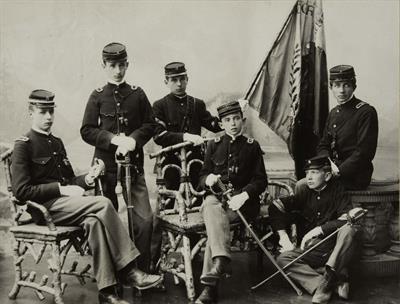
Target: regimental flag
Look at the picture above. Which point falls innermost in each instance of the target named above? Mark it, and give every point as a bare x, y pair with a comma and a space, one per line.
290, 91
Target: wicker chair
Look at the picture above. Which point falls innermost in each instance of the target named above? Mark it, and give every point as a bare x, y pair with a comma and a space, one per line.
32, 239
184, 219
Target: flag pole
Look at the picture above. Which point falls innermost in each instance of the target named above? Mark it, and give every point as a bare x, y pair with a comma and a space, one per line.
277, 39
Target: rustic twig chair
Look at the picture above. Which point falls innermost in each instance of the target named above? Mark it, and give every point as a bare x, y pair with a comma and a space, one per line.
184, 219
33, 239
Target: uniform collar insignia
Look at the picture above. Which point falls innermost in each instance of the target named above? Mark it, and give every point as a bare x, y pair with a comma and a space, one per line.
116, 83
320, 190
41, 131
179, 98
349, 101
233, 138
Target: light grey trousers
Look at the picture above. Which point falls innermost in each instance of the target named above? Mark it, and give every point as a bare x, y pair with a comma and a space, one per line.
217, 221
109, 242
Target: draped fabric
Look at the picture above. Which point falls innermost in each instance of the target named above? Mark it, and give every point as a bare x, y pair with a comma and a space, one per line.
290, 92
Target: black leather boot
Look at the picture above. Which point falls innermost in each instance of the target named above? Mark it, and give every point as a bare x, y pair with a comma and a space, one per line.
208, 295
325, 288
107, 298
221, 269
142, 280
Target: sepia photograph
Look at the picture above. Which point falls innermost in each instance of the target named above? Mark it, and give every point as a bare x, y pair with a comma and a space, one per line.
199, 151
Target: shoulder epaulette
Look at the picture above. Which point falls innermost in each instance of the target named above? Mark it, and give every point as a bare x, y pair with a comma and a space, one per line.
217, 139
22, 138
250, 140
99, 90
360, 104
134, 87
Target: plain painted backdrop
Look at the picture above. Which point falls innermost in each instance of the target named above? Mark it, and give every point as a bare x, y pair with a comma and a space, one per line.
56, 45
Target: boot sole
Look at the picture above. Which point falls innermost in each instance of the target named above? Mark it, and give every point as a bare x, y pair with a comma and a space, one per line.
154, 284
210, 280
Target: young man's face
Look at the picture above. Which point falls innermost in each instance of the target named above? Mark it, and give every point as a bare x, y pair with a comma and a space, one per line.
317, 178
115, 70
42, 118
342, 90
177, 84
232, 123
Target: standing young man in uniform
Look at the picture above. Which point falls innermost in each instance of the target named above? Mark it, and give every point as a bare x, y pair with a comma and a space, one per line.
118, 120
42, 173
351, 132
238, 162
180, 118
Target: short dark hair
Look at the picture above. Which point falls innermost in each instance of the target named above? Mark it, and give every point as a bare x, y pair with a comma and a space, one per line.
169, 77
352, 81
105, 60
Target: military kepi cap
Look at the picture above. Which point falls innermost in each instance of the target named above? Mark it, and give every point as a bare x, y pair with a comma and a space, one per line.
42, 99
114, 51
341, 73
317, 162
175, 69
229, 108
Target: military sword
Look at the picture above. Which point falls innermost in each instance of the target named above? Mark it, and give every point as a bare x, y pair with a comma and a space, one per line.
351, 219
227, 193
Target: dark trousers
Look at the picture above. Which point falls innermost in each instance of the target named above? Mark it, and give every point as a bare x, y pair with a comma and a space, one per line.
337, 257
142, 214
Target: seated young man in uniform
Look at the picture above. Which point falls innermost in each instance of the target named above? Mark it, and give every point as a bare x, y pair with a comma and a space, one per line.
238, 162
42, 173
317, 211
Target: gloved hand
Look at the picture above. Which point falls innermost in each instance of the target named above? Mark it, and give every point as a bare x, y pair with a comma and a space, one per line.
195, 139
212, 179
71, 190
94, 172
238, 200
284, 241
313, 233
125, 142
121, 151
335, 169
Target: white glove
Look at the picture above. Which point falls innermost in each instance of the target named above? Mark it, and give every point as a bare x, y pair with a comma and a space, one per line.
126, 142
313, 233
71, 190
238, 200
212, 179
334, 168
284, 241
195, 139
121, 151
94, 172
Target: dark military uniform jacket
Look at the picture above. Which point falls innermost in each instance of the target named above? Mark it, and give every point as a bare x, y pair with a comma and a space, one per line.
39, 164
177, 116
350, 139
240, 163
310, 208
101, 121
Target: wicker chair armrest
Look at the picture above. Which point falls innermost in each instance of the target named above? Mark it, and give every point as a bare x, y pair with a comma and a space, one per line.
46, 214
283, 185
